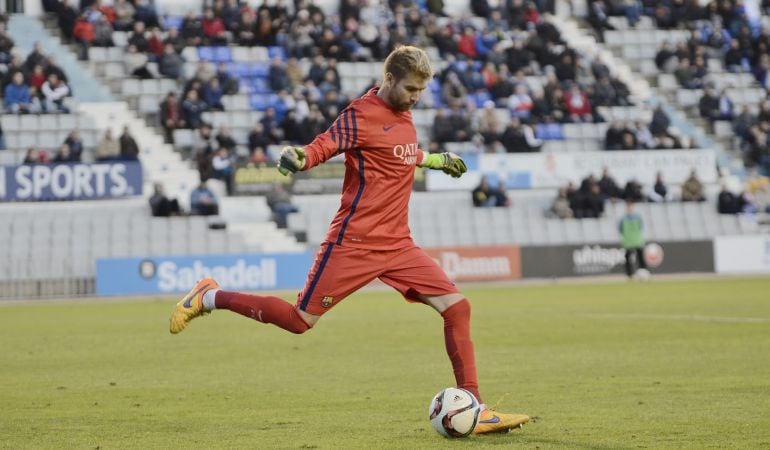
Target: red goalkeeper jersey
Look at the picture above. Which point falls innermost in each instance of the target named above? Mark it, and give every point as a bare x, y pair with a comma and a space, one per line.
381, 152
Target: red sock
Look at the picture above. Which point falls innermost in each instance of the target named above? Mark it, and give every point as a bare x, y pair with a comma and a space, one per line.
457, 337
264, 309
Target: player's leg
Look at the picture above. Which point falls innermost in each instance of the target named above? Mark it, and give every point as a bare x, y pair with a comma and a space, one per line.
336, 272
417, 276
629, 262
640, 258
456, 311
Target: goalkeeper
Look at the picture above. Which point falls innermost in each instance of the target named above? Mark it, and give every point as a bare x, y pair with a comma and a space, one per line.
369, 237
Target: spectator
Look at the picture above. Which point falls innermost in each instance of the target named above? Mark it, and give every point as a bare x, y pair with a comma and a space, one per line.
501, 196
35, 156
16, 95
136, 63
138, 38
192, 30
489, 125
173, 38
230, 84
212, 95
192, 109
170, 62
577, 105
84, 34
258, 139
271, 126
452, 91
171, 116
520, 103
161, 205
660, 122
519, 137
225, 139
145, 12
608, 187
75, 144
692, 189
727, 202
560, 208
124, 15
67, 15
279, 201
54, 91
203, 202
157, 47
214, 31
633, 191
129, 149
102, 33
483, 194
613, 138
37, 78
108, 148
665, 59
64, 155
659, 189
644, 138
223, 167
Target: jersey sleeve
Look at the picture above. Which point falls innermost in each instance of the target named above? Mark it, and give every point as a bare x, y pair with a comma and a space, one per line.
346, 133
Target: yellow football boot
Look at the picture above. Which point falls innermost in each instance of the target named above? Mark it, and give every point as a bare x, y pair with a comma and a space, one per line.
495, 422
191, 305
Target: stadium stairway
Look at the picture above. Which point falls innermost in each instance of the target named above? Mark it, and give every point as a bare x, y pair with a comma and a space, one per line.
27, 30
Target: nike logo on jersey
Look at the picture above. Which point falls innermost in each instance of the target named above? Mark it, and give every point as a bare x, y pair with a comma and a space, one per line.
387, 128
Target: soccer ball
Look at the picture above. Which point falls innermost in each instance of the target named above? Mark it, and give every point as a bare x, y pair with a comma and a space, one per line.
642, 275
454, 412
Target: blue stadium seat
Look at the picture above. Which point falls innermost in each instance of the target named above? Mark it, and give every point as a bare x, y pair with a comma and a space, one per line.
261, 102
172, 22
259, 70
480, 97
274, 51
549, 131
206, 53
259, 85
222, 54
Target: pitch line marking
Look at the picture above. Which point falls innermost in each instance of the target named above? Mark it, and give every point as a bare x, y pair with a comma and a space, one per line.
690, 317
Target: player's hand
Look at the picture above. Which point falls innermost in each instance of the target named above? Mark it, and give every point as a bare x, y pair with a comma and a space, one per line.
292, 160
448, 162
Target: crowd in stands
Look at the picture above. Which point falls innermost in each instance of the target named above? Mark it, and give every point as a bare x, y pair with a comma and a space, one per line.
71, 150
720, 29
485, 63
588, 199
658, 134
484, 195
31, 85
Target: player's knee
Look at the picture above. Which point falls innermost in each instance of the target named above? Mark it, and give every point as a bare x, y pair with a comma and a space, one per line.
458, 310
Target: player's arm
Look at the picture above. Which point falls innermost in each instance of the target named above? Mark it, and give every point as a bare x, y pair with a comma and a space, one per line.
450, 163
346, 133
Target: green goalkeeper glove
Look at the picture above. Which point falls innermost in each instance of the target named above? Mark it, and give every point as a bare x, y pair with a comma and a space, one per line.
292, 160
448, 162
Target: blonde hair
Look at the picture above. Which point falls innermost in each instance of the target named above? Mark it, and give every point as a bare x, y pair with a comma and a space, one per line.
408, 59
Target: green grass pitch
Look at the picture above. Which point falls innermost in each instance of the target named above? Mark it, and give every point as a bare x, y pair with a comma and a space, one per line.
666, 364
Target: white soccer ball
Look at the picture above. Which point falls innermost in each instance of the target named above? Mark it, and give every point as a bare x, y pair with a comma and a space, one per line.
642, 275
454, 412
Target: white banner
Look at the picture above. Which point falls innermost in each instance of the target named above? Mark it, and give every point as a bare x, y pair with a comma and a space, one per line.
742, 254
552, 170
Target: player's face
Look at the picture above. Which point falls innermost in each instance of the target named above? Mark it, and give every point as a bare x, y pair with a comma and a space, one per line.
405, 92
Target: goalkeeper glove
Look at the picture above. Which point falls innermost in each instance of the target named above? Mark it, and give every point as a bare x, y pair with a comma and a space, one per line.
292, 160
448, 162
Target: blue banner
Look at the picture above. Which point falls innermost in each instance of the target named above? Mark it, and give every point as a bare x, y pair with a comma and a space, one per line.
70, 181
178, 274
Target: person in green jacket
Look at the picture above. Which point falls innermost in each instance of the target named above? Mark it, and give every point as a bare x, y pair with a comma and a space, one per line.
630, 227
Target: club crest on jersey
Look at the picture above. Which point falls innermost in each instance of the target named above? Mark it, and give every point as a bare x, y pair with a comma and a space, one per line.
327, 301
406, 153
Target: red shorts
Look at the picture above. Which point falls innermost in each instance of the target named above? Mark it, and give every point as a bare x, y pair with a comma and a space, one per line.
339, 271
